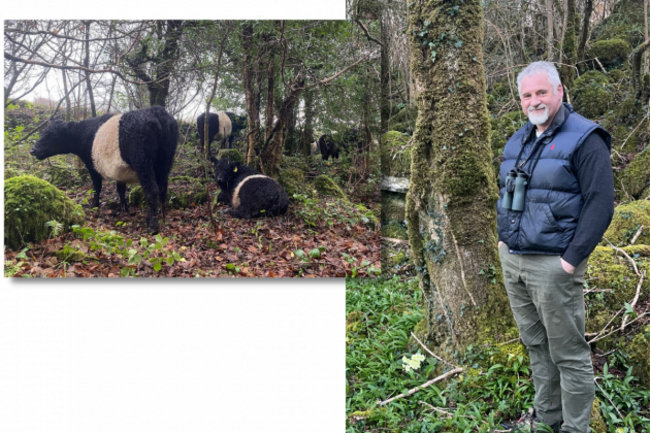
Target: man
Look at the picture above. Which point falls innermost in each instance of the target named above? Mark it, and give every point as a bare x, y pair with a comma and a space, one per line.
552, 212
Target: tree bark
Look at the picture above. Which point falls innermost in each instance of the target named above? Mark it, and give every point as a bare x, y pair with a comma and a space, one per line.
252, 94
637, 68
384, 78
569, 46
589, 6
451, 203
549, 30
93, 109
308, 131
270, 93
272, 152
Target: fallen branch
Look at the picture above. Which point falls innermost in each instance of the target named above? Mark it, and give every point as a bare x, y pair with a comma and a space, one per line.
636, 298
615, 330
636, 236
431, 353
424, 385
510, 341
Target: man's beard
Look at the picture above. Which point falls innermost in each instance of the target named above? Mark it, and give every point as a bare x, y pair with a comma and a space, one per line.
538, 119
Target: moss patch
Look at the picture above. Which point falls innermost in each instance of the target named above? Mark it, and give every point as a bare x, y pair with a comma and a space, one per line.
29, 204
610, 51
639, 353
292, 180
626, 222
395, 154
327, 187
596, 421
394, 230
635, 178
592, 94
612, 271
231, 154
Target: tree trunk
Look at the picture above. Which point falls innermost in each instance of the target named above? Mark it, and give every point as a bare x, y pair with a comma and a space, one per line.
569, 46
270, 93
384, 77
451, 203
589, 6
93, 110
272, 152
637, 76
549, 30
308, 132
645, 22
252, 94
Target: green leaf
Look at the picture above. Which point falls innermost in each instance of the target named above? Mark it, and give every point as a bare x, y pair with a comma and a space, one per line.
157, 266
459, 44
230, 267
315, 253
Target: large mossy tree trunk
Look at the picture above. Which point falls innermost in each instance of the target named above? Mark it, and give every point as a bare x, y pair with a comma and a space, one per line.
451, 204
308, 132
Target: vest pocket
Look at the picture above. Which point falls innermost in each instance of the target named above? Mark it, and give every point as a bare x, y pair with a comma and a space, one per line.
539, 230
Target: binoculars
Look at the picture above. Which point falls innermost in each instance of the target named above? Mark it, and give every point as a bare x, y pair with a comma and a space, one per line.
516, 183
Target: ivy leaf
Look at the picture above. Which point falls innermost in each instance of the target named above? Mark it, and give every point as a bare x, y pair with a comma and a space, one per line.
459, 44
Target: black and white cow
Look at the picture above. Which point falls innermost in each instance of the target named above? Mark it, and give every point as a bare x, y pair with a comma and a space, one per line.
249, 193
134, 147
222, 127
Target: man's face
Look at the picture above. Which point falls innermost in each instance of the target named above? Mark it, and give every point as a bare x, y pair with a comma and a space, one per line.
538, 100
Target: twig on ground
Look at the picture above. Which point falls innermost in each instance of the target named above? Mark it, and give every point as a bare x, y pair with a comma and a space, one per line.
451, 415
431, 353
636, 236
510, 341
424, 385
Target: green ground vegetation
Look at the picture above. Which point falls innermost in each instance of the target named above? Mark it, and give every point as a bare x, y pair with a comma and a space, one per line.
494, 387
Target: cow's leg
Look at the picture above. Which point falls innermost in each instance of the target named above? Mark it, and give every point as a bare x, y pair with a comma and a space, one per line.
121, 191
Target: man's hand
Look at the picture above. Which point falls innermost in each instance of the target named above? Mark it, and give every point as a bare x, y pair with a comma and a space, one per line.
568, 268
499, 244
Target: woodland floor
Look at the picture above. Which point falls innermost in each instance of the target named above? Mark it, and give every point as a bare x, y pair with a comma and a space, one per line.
264, 247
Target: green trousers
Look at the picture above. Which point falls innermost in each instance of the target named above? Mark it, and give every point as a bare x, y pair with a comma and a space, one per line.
548, 306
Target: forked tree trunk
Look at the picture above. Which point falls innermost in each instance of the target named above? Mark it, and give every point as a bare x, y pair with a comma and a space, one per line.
451, 203
569, 46
589, 6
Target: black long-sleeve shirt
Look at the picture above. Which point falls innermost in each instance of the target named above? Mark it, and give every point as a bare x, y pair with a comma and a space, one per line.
591, 163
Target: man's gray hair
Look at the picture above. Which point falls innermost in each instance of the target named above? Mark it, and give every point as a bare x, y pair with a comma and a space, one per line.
537, 67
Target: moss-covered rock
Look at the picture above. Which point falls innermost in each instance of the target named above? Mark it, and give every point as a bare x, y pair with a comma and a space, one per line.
610, 270
182, 192
395, 154
632, 181
627, 219
30, 203
393, 206
292, 180
11, 172
327, 187
639, 354
231, 154
592, 94
610, 51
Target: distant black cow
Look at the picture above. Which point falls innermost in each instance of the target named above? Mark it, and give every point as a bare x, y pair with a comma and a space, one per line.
135, 147
328, 147
221, 128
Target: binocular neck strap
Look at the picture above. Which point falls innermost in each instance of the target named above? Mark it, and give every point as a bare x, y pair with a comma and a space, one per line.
539, 144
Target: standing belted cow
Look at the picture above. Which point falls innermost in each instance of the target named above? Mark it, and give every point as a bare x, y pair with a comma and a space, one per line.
222, 127
135, 147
